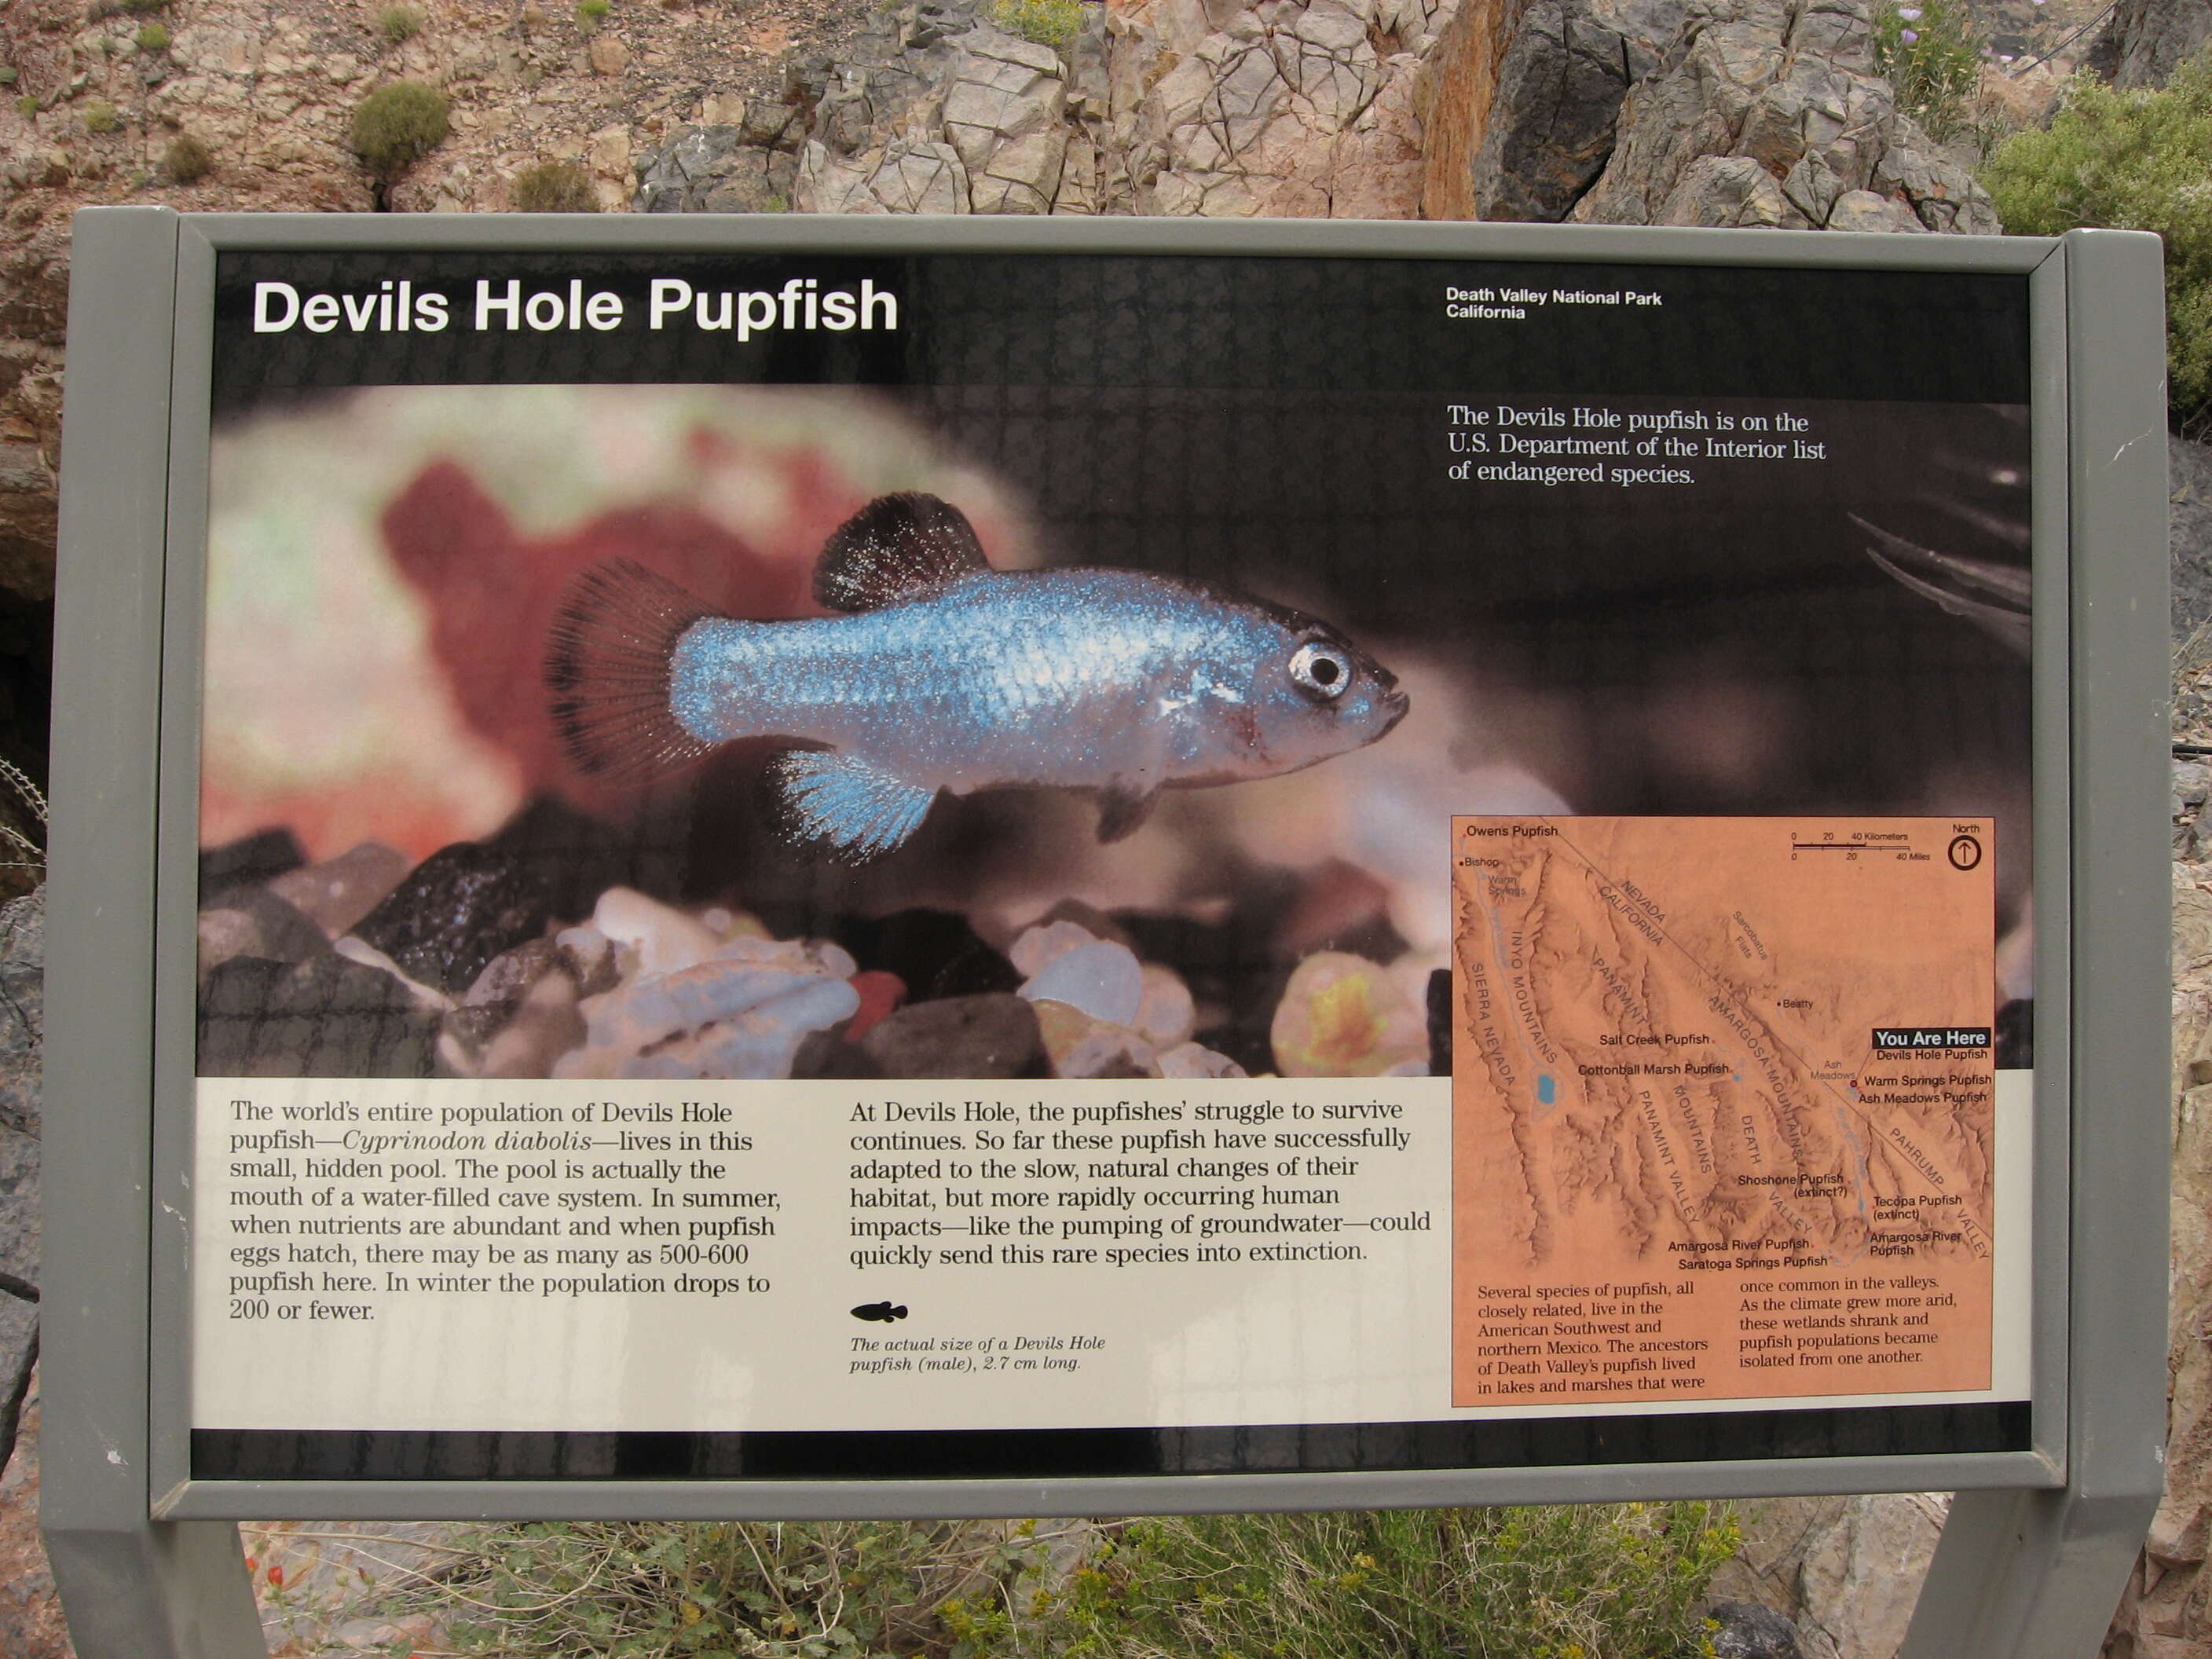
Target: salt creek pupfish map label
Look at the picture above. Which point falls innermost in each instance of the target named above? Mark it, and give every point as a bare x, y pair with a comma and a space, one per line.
1724, 1108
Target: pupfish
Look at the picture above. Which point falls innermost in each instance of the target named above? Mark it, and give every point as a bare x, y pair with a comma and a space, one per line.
937, 673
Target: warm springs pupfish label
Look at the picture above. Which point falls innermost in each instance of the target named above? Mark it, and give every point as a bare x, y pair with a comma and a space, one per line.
1724, 1108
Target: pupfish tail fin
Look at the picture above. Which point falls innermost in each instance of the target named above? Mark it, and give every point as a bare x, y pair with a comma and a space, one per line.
607, 666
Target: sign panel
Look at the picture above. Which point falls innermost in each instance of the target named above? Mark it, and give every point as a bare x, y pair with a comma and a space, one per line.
966, 865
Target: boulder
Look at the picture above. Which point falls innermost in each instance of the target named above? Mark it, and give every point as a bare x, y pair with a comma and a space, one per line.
1794, 92
2146, 40
715, 170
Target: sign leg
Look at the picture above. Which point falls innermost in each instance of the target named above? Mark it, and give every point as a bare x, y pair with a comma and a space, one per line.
2026, 1575
160, 1590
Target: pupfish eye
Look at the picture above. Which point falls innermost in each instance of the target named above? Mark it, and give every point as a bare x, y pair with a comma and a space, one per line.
1321, 671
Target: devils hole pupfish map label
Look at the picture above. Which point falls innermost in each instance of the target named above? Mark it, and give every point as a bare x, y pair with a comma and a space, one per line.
1724, 1108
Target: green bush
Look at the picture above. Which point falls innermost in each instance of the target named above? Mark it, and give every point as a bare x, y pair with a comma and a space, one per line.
555, 187
7, 74
1588, 1582
398, 23
1054, 23
187, 160
2131, 161
102, 118
592, 13
398, 124
143, 5
153, 38
1930, 51
1597, 1582
27, 105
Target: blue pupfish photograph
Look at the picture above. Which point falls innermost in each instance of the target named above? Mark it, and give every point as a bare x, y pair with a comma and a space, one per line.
1043, 688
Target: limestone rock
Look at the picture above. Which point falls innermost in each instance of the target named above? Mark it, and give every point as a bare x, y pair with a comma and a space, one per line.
716, 169
1792, 91
1558, 98
22, 1011
31, 1625
2147, 40
2190, 507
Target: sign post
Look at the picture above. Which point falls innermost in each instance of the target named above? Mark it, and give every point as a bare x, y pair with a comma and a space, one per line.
794, 868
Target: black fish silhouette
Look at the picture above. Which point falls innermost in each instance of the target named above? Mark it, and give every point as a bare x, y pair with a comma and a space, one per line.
881, 1313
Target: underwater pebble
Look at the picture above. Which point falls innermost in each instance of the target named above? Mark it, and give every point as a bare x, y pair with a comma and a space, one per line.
253, 858
661, 940
590, 958
1195, 1059
1166, 1013
762, 1042
1439, 996
1080, 1046
254, 922
993, 1035
938, 953
426, 996
634, 1016
325, 1018
507, 977
455, 911
338, 892
716, 1019
1343, 1016
813, 956
1039, 947
1105, 982
880, 993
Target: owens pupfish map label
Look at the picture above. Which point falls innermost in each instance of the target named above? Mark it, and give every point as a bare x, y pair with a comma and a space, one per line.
1726, 1118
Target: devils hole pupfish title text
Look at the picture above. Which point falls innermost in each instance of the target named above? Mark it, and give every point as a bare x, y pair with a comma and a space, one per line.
401, 308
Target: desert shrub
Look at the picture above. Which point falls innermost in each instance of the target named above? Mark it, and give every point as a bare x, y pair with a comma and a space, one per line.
554, 187
398, 23
592, 13
28, 106
1054, 23
102, 118
7, 74
398, 124
153, 38
143, 5
1603, 1582
2131, 161
187, 160
1933, 57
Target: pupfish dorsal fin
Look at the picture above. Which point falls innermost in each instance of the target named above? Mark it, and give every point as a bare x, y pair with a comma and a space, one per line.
857, 811
607, 658
894, 547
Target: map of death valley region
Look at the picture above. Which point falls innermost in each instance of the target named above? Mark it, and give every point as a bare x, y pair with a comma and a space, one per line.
1723, 1108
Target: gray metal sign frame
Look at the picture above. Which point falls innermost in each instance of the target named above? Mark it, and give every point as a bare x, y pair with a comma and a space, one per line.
2039, 1542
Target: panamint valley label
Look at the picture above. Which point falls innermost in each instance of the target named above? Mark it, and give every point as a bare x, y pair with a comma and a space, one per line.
1725, 1108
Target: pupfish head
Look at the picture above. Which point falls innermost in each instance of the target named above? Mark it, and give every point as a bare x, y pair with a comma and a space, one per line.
1315, 693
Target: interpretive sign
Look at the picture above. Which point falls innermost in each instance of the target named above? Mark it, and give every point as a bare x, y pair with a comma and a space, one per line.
924, 884
827, 868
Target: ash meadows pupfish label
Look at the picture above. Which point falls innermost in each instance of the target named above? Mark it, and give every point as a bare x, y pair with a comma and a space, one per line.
1726, 1121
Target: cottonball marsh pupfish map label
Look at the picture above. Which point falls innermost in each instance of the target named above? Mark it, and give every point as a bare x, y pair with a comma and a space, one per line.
1727, 1124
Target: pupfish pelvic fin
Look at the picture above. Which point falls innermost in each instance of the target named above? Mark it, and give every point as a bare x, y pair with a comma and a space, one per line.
857, 811
893, 548
1123, 810
607, 658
